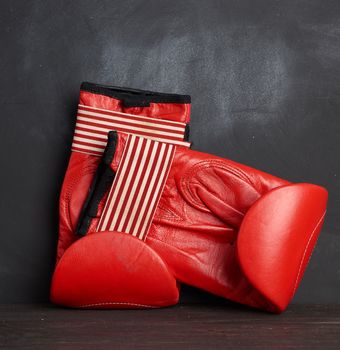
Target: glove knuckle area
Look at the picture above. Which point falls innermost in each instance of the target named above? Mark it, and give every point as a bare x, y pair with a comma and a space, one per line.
112, 270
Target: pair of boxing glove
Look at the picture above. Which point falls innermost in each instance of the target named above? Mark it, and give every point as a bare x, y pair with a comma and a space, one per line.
140, 213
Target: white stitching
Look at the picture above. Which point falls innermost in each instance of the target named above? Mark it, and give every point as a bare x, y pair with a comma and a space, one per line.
117, 303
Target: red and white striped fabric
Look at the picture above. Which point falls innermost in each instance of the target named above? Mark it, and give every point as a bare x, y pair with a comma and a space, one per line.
137, 187
93, 125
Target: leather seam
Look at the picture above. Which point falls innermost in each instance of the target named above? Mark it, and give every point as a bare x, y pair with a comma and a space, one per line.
305, 251
169, 214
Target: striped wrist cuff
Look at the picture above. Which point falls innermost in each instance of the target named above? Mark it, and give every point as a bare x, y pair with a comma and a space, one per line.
93, 125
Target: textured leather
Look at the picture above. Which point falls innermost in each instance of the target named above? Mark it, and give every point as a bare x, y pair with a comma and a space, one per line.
221, 226
101, 265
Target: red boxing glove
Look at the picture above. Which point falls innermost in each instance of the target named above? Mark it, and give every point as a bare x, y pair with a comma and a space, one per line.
103, 108
175, 215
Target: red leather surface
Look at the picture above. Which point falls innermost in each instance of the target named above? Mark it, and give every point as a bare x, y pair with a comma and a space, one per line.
110, 270
77, 181
179, 112
197, 222
276, 238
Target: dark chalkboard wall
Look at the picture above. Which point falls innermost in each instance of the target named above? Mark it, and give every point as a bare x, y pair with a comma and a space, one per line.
264, 76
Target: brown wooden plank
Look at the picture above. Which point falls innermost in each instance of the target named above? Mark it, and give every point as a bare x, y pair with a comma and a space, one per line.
182, 327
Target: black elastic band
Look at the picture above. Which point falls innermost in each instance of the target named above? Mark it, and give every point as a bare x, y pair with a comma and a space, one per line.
187, 132
134, 97
102, 181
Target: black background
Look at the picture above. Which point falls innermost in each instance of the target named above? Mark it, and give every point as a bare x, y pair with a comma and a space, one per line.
265, 85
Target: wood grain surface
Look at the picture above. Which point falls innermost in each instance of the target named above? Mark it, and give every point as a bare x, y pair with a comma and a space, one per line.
183, 327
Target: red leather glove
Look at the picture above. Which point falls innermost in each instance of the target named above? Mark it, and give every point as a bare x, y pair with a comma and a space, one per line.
211, 223
102, 108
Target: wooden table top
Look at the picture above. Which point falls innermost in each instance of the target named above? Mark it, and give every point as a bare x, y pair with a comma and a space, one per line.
182, 327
